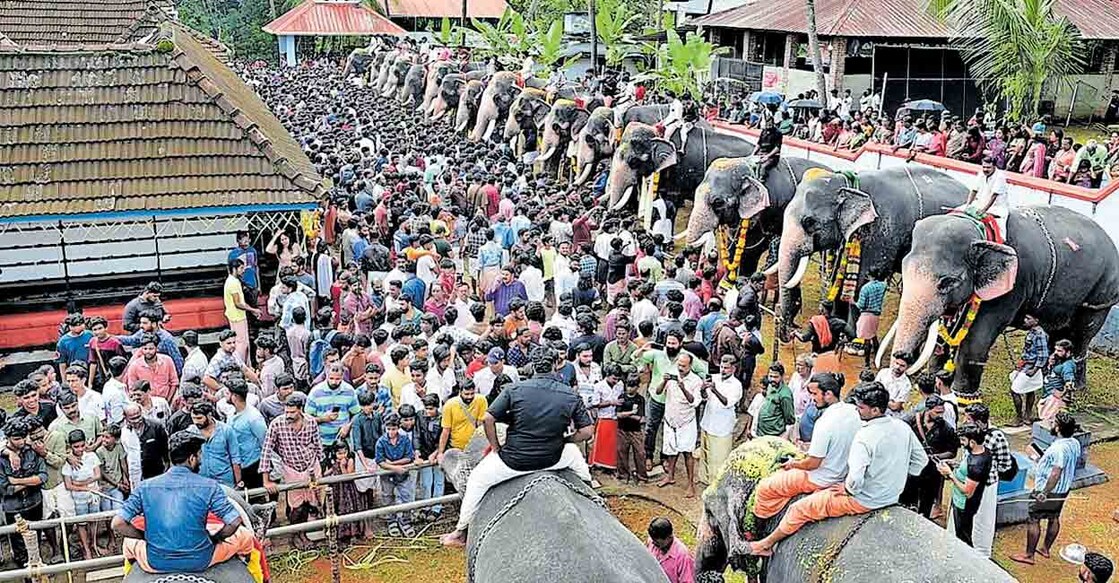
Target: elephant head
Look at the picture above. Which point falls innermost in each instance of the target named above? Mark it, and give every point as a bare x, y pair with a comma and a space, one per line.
436, 72
639, 154
525, 115
562, 123
397, 72
948, 262
594, 142
468, 105
450, 92
411, 91
824, 214
502, 89
729, 194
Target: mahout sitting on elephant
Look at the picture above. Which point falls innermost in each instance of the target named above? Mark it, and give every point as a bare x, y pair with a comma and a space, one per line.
838, 532
961, 290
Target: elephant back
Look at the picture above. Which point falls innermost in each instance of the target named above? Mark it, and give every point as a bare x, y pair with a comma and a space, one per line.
890, 544
549, 527
232, 571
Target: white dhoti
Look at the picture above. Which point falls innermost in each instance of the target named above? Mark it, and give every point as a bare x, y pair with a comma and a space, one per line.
491, 471
983, 525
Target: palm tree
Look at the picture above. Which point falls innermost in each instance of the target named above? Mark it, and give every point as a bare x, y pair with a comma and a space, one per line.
1013, 47
814, 51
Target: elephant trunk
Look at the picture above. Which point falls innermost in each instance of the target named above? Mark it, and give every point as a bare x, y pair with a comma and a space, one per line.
438, 108
584, 174
918, 317
584, 159
703, 219
486, 114
462, 118
511, 129
620, 184
792, 261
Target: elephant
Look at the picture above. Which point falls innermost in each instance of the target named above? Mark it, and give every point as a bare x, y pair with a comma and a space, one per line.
888, 544
467, 111
642, 152
558, 526
258, 517
411, 92
361, 61
1056, 264
500, 92
398, 70
432, 80
451, 89
881, 209
526, 116
384, 65
594, 142
561, 125
731, 194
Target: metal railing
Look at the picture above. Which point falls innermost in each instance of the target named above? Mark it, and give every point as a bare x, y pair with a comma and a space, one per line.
329, 524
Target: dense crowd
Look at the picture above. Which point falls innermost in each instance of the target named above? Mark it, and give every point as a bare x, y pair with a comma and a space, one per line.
845, 122
435, 276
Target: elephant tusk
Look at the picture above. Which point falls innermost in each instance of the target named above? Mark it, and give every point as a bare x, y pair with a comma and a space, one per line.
930, 346
679, 236
802, 268
547, 154
885, 345
772, 270
411, 99
704, 239
489, 130
625, 199
584, 175
462, 126
387, 92
439, 115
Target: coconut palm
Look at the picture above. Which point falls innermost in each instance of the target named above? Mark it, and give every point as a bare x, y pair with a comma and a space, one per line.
814, 50
1013, 47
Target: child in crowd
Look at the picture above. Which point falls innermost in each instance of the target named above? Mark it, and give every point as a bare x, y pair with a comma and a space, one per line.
81, 481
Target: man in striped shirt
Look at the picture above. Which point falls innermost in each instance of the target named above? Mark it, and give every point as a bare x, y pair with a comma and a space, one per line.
332, 403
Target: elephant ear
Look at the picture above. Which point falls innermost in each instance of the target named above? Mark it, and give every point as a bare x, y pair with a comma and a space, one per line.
855, 210
580, 120
994, 268
540, 111
663, 154
752, 199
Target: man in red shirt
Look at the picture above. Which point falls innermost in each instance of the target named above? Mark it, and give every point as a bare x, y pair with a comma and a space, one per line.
493, 196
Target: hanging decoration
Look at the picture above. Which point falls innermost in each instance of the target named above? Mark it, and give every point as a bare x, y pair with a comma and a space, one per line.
723, 236
954, 329
845, 284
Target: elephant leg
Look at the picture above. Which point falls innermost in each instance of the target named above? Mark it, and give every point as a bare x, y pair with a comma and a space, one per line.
973, 352
1081, 330
711, 549
752, 256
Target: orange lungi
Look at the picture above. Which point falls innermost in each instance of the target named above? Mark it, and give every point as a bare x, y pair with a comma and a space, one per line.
829, 503
604, 451
775, 491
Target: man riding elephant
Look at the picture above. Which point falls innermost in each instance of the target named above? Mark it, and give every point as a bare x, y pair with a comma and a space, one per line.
960, 290
868, 217
731, 197
174, 508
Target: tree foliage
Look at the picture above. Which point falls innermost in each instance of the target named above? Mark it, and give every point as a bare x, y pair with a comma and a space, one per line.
1014, 47
683, 65
614, 21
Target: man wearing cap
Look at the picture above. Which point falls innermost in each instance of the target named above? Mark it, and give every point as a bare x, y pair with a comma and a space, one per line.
175, 507
495, 366
538, 412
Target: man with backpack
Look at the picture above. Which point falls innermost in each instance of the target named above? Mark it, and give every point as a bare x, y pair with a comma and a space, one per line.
320, 341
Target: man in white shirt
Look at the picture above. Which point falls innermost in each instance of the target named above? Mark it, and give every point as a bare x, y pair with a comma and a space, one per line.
441, 376
194, 366
644, 310
462, 302
721, 393
533, 280
897, 384
988, 196
495, 365
883, 454
115, 393
679, 428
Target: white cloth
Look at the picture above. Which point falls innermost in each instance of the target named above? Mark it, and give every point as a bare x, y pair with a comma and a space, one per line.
983, 525
755, 407
604, 392
463, 318
898, 387
831, 441
410, 396
678, 410
719, 419
91, 404
131, 443
533, 281
58, 499
484, 378
115, 399
585, 381
992, 187
491, 471
194, 367
441, 383
427, 270
884, 453
644, 310
1021, 384
677, 440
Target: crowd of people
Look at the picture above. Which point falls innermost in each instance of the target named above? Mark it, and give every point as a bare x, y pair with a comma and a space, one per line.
845, 122
439, 286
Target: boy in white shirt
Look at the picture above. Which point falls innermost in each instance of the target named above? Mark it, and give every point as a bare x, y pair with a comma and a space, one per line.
81, 482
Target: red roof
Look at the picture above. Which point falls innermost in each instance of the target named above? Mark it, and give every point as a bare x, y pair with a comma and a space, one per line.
332, 18
441, 8
1096, 19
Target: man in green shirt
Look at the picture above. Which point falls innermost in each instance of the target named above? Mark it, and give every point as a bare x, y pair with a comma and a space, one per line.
660, 361
776, 413
1096, 155
620, 351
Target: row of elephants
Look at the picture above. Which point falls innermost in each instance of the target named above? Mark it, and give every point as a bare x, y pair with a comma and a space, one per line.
1055, 263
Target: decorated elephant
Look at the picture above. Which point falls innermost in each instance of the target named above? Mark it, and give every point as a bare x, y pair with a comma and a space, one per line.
384, 66
731, 197
558, 529
599, 137
432, 80
525, 118
467, 112
494, 105
397, 71
362, 61
411, 92
867, 217
451, 89
642, 152
851, 549
960, 290
258, 517
561, 125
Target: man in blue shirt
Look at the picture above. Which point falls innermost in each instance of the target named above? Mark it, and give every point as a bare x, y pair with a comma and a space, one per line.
394, 453
222, 457
175, 507
152, 323
248, 428
245, 252
73, 346
1062, 370
1053, 476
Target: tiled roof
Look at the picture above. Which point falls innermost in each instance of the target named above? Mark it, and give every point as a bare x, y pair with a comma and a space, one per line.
106, 128
80, 21
1096, 19
441, 8
332, 18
